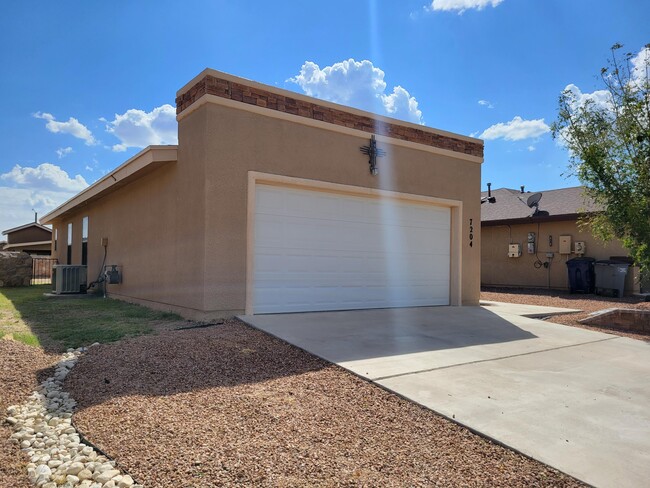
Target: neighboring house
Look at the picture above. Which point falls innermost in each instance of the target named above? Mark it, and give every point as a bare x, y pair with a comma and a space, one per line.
511, 221
268, 204
33, 238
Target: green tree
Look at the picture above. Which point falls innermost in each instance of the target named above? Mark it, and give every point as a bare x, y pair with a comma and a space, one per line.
607, 133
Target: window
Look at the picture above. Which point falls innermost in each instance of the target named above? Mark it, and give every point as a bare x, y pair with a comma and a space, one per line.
69, 261
84, 241
56, 238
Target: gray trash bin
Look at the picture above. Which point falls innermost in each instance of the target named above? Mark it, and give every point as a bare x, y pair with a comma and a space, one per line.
610, 277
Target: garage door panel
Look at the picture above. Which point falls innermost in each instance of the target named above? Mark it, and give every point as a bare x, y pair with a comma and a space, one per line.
356, 283
420, 240
320, 251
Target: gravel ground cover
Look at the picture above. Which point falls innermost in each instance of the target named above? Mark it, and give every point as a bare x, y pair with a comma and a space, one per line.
230, 405
22, 367
553, 298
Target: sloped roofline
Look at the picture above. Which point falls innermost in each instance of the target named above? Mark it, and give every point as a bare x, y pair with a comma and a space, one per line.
563, 207
21, 227
134, 167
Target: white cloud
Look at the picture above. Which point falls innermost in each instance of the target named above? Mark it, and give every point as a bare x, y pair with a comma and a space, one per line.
63, 151
401, 105
531, 148
640, 65
516, 130
18, 203
576, 99
485, 103
137, 128
42, 188
600, 98
72, 127
45, 176
359, 84
462, 5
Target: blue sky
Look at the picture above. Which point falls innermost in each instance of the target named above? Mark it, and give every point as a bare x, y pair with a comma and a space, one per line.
85, 85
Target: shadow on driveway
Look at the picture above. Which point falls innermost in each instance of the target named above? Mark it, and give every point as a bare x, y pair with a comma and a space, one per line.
358, 335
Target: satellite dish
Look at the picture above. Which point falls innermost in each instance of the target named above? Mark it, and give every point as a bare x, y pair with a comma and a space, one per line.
533, 200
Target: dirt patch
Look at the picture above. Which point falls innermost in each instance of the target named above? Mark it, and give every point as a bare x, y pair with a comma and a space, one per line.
228, 405
587, 303
22, 367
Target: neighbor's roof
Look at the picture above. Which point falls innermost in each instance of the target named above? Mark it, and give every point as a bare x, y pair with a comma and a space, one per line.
21, 227
511, 207
142, 163
24, 245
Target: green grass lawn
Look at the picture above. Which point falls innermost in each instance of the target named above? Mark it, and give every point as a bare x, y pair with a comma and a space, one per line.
59, 323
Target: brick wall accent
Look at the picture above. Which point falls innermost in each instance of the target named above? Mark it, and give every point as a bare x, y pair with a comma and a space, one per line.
212, 85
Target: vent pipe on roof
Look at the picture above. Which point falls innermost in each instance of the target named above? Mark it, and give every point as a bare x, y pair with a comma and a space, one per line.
489, 190
522, 189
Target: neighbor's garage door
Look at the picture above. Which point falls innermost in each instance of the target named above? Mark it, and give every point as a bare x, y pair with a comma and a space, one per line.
325, 251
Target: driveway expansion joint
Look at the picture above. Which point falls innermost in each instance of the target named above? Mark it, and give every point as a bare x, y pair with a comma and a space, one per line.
400, 375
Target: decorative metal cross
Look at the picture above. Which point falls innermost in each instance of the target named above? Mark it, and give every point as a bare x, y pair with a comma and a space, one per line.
373, 152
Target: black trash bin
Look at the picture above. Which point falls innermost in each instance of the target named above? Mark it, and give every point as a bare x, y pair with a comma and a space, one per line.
581, 275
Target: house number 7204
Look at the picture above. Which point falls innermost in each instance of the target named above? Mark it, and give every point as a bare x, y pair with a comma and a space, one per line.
471, 232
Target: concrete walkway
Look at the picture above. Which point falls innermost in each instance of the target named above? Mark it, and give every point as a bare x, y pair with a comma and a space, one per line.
532, 311
574, 399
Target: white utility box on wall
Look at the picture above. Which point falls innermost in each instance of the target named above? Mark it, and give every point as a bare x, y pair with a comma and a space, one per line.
514, 250
580, 247
565, 244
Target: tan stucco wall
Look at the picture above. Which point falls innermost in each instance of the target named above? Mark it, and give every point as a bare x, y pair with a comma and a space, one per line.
497, 269
179, 233
155, 233
238, 141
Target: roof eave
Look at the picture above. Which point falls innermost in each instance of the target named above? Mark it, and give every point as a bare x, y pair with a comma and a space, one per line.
27, 244
21, 227
149, 158
531, 219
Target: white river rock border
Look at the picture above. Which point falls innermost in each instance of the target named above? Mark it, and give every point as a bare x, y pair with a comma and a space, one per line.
43, 429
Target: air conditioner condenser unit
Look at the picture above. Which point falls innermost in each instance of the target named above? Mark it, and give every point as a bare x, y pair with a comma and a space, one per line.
69, 278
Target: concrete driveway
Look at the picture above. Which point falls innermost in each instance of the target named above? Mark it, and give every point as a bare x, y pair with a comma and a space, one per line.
574, 399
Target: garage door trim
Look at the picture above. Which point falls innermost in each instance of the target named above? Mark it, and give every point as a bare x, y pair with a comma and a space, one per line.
257, 178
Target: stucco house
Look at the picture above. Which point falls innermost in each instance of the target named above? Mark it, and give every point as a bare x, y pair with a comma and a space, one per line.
273, 201
545, 235
33, 238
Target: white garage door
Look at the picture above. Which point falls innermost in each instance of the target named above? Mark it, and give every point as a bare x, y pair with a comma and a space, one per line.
324, 251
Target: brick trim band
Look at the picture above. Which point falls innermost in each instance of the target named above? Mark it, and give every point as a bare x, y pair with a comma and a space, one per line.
211, 85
